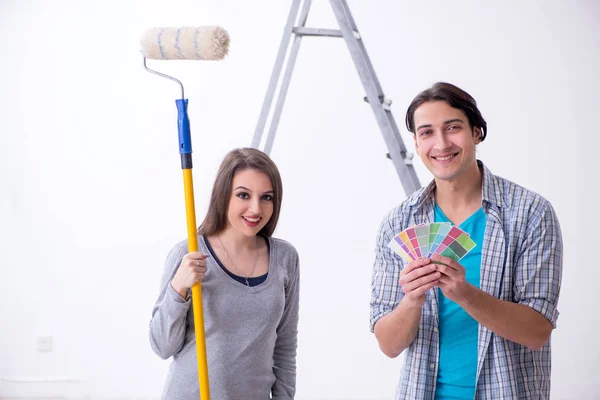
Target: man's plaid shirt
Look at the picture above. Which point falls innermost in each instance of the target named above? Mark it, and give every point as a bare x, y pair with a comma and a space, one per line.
521, 262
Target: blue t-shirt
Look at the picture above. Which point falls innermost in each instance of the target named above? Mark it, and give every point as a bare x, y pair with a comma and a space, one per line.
458, 331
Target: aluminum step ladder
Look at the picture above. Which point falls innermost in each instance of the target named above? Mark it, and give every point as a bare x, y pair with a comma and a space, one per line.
379, 103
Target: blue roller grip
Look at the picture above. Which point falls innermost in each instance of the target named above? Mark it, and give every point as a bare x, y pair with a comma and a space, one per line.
183, 125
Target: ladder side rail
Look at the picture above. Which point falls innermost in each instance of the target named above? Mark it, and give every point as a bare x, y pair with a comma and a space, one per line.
287, 77
348, 27
285, 40
401, 159
385, 120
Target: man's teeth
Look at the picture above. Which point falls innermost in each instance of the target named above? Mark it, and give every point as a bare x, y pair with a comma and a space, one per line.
251, 219
444, 158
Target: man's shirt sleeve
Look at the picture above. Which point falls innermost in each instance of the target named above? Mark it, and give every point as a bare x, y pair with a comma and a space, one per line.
538, 269
386, 292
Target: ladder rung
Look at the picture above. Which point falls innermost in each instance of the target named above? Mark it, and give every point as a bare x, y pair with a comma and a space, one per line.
302, 31
385, 102
407, 157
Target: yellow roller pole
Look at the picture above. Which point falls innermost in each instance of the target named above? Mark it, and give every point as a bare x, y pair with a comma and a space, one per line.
185, 151
190, 212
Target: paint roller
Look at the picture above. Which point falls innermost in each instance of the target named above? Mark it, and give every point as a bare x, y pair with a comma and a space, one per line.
188, 43
185, 43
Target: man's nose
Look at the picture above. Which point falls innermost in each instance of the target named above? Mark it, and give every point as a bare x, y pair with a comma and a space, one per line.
441, 140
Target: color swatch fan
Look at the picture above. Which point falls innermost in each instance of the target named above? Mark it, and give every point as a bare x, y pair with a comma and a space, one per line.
426, 240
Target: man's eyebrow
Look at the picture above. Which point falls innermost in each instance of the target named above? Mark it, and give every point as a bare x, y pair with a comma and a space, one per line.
449, 121
453, 120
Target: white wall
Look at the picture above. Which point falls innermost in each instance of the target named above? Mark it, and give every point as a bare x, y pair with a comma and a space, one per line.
91, 192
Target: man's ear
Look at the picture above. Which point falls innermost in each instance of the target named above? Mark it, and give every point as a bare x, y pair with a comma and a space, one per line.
477, 135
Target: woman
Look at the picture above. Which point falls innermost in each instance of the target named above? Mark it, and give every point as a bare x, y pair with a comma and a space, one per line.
250, 284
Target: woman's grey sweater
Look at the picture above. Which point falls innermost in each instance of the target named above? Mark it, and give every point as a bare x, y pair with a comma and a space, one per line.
251, 332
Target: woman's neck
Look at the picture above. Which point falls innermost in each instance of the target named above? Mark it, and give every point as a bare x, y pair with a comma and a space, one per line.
235, 240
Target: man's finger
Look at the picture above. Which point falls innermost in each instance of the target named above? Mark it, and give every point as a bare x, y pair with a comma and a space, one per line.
418, 272
418, 263
444, 280
436, 258
421, 291
445, 270
425, 280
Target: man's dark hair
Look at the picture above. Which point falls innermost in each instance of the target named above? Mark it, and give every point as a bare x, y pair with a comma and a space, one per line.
455, 97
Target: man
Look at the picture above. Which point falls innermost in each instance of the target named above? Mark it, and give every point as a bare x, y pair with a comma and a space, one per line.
479, 329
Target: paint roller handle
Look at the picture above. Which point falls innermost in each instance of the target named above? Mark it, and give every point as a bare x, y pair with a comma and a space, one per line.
185, 139
183, 126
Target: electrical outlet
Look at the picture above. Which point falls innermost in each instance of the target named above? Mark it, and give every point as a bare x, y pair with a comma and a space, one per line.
43, 343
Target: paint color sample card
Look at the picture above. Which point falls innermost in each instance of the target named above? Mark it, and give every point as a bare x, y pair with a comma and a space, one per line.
428, 239
438, 232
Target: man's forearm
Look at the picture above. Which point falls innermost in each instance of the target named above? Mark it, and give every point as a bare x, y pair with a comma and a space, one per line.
515, 322
398, 329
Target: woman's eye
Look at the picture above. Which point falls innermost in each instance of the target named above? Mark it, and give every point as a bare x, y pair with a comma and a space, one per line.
243, 195
267, 197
